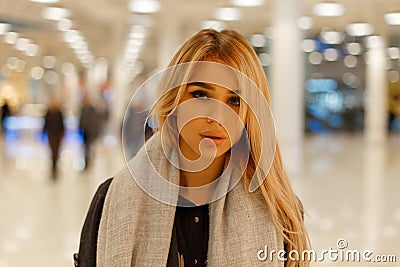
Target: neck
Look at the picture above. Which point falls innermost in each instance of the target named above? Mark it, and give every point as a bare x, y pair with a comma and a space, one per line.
200, 178
203, 177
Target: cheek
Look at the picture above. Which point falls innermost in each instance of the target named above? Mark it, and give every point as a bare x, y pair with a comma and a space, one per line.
180, 122
188, 129
235, 128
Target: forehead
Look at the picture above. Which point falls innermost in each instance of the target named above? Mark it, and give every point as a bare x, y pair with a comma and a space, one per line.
218, 74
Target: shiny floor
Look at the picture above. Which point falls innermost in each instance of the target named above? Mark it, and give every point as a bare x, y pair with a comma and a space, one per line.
350, 191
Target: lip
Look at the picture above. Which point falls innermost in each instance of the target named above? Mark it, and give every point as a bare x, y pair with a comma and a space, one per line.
213, 137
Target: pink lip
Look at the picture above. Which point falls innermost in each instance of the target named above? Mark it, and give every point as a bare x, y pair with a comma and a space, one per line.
215, 137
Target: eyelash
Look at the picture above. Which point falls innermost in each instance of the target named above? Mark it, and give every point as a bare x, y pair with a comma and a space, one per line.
235, 101
197, 93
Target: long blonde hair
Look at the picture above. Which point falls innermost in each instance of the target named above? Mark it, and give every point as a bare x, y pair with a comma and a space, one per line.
231, 48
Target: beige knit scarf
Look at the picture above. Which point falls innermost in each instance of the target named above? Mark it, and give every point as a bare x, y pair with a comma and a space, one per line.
136, 229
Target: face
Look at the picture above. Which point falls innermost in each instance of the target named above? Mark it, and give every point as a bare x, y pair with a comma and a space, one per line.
207, 117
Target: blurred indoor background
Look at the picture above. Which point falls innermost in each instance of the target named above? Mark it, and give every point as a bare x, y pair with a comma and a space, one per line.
333, 69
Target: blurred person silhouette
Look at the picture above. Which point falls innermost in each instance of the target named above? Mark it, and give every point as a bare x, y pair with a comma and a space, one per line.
135, 122
89, 124
394, 106
5, 112
54, 129
165, 207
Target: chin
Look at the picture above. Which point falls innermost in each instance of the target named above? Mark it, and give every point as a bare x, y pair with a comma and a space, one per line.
210, 153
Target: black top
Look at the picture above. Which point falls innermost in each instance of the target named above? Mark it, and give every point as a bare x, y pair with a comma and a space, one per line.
192, 231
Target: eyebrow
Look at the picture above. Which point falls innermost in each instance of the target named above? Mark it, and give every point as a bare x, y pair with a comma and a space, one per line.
210, 87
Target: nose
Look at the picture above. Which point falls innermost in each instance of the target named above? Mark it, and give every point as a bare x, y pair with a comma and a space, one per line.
217, 112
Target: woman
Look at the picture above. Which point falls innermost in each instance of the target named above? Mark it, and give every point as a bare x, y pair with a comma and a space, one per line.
209, 187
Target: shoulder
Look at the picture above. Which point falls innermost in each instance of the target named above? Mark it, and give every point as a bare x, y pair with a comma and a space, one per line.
89, 233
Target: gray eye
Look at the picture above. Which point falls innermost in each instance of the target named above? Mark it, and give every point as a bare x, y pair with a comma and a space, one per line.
234, 101
199, 94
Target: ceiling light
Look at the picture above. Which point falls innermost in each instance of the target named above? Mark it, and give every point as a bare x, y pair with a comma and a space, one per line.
258, 40
393, 76
50, 77
4, 28
84, 55
12, 62
247, 2
265, 59
80, 51
22, 44
37, 73
359, 29
46, 1
349, 78
11, 37
354, 48
72, 36
227, 14
213, 24
350, 61
332, 37
79, 45
55, 13
64, 24
392, 18
315, 58
328, 9
394, 52
144, 6
308, 45
87, 59
67, 68
49, 62
305, 23
20, 66
331, 54
32, 50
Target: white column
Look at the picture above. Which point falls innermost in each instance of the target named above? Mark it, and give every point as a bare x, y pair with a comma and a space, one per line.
376, 91
375, 159
120, 84
287, 81
169, 34
375, 133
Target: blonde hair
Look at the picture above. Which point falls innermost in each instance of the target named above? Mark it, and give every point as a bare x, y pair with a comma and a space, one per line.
232, 49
